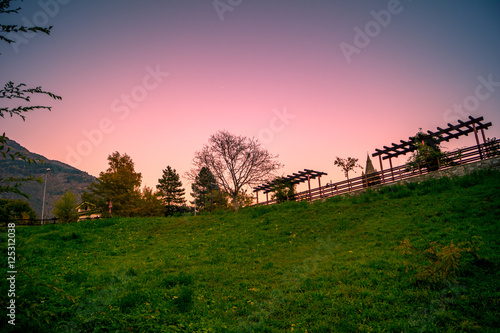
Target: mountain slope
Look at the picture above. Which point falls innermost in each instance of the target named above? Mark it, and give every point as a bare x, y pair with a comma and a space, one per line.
61, 178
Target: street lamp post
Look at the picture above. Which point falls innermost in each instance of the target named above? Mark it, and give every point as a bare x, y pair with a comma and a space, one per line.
44, 189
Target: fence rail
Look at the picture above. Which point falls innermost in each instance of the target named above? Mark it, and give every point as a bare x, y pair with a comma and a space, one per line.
36, 222
457, 157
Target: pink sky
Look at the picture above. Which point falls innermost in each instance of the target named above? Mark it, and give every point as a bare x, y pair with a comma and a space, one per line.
155, 81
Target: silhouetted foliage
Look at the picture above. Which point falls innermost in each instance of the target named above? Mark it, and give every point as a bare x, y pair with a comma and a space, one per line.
17, 91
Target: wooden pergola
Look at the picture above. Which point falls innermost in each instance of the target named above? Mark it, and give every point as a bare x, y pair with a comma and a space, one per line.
295, 178
473, 125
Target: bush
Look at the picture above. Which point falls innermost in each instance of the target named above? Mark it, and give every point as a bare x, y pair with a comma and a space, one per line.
443, 261
65, 208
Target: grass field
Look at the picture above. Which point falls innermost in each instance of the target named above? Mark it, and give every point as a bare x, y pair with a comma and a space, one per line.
417, 258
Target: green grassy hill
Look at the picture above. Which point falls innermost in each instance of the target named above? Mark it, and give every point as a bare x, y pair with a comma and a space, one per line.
417, 258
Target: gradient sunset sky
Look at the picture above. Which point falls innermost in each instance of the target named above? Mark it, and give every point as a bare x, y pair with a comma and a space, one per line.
311, 80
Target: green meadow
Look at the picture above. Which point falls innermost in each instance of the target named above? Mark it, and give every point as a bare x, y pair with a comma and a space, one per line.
406, 258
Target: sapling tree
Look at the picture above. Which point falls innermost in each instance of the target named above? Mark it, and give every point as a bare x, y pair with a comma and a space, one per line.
65, 208
347, 165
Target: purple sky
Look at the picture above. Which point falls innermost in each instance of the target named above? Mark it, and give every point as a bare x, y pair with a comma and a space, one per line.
311, 79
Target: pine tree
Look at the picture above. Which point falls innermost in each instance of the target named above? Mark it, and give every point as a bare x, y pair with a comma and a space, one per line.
170, 188
206, 193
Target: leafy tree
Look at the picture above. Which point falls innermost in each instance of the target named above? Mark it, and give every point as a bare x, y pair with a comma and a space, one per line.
347, 165
119, 184
171, 191
284, 190
206, 193
65, 207
150, 204
18, 92
5, 30
427, 153
245, 199
16, 209
236, 161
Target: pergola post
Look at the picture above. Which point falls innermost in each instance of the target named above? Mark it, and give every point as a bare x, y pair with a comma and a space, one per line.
477, 140
320, 191
484, 143
257, 196
267, 198
381, 168
309, 184
392, 172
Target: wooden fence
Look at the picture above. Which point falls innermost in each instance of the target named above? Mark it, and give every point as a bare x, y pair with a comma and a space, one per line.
35, 222
461, 156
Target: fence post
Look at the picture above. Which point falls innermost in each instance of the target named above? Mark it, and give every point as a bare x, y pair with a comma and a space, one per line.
390, 163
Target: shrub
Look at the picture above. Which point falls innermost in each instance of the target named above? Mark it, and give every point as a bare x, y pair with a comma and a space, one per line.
65, 208
443, 261
284, 190
492, 147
